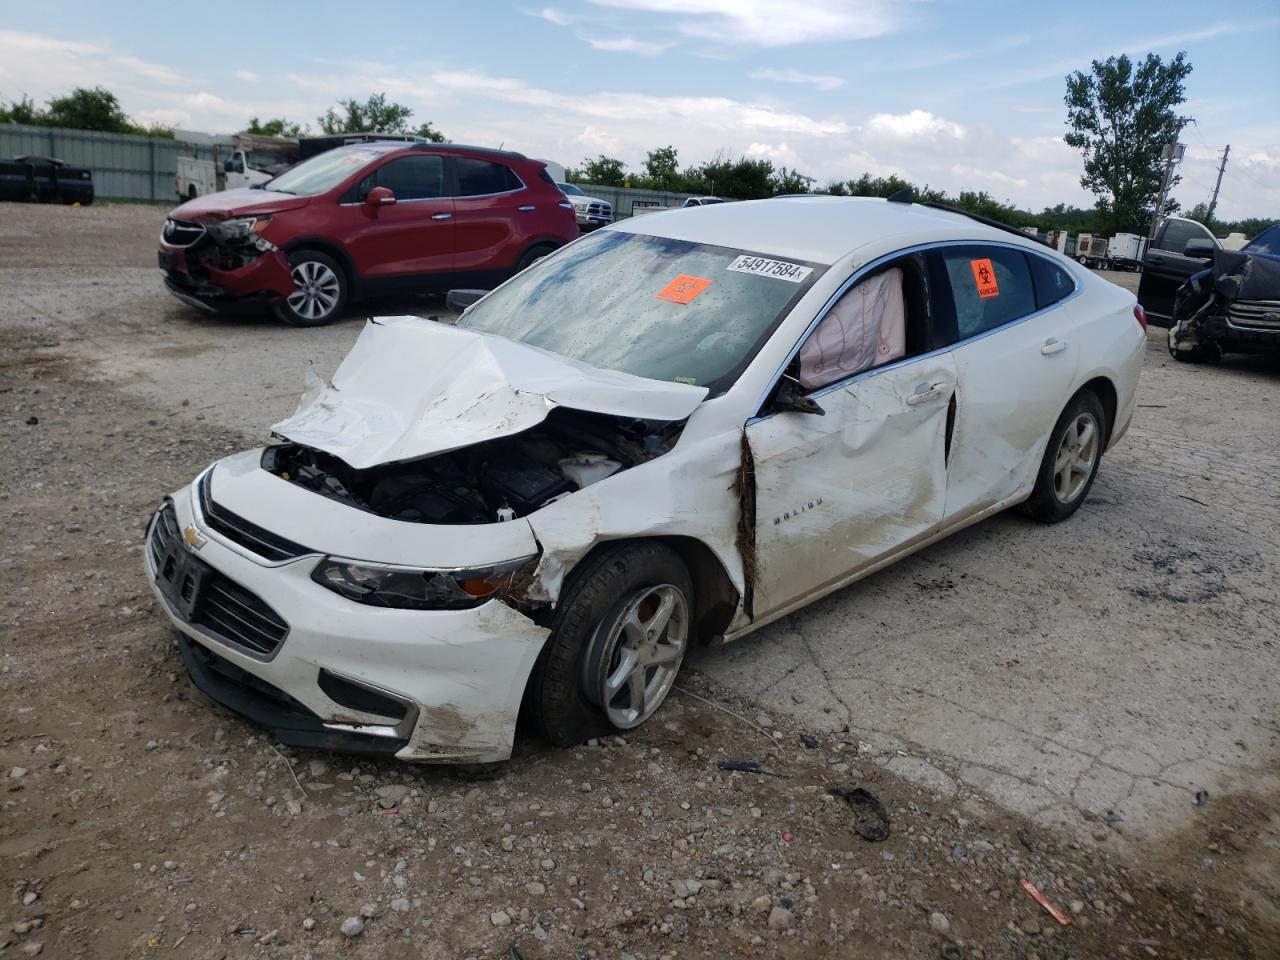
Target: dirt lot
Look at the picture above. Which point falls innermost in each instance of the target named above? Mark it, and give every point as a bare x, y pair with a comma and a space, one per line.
1029, 703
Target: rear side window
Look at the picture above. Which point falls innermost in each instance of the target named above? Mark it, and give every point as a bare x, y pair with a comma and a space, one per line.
1052, 283
476, 178
990, 286
412, 178
1177, 233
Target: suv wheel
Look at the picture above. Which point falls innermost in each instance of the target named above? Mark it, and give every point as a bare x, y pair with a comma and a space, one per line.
619, 636
320, 290
530, 257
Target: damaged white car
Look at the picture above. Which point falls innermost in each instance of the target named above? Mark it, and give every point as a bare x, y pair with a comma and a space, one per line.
669, 432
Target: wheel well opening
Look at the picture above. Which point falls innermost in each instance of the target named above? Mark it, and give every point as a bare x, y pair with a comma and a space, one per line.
1105, 391
328, 249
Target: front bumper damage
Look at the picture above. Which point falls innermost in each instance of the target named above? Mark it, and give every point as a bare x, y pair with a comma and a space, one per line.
210, 274
1233, 307
321, 671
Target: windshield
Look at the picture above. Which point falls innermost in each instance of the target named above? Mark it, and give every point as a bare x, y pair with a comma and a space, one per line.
650, 306
570, 189
323, 173
1266, 243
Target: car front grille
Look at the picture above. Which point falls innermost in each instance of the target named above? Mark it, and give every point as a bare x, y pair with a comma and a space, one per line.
1255, 315
181, 233
599, 210
238, 615
246, 533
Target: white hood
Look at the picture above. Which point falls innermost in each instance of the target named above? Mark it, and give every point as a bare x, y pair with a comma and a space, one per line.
411, 388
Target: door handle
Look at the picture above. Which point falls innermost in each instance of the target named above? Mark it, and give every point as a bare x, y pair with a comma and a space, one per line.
526, 208
442, 216
929, 392
1053, 345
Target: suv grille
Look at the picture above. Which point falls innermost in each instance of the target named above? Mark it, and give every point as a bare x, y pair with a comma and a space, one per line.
239, 615
599, 210
1258, 314
181, 233
244, 532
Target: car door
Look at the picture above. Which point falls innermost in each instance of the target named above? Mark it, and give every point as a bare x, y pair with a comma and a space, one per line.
410, 238
492, 210
1015, 356
836, 493
1166, 267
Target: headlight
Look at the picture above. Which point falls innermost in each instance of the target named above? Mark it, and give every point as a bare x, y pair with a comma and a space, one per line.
240, 228
407, 588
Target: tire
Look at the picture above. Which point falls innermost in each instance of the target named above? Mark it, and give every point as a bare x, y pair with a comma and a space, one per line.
1061, 486
1205, 353
323, 300
532, 256
563, 697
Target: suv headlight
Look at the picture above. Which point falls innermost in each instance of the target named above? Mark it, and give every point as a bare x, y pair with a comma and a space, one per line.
408, 588
237, 229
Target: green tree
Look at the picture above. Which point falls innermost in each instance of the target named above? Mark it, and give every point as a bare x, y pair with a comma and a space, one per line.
1121, 115
375, 115
23, 110
277, 127
788, 181
85, 109
661, 170
602, 171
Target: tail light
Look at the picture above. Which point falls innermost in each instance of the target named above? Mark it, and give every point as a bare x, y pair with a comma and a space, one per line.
1141, 316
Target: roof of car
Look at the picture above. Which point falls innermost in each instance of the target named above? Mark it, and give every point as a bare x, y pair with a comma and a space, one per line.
815, 227
387, 145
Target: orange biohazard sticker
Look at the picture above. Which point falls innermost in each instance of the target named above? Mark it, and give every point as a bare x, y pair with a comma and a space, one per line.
683, 289
984, 275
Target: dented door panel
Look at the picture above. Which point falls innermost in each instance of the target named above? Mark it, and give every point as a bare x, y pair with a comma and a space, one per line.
834, 493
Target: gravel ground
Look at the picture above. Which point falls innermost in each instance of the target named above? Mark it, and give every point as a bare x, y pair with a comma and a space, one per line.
142, 820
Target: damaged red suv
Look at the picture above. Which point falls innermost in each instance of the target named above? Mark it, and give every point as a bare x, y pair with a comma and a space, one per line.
364, 220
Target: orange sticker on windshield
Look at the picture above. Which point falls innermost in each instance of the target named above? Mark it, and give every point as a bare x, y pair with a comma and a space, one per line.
683, 289
984, 275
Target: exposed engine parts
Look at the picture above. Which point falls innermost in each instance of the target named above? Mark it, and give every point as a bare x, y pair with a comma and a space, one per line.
487, 483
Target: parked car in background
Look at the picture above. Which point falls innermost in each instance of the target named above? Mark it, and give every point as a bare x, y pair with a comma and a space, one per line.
30, 179
1181, 247
702, 201
674, 431
361, 220
1233, 307
592, 212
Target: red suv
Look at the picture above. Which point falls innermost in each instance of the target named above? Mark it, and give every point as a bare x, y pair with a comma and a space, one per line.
362, 220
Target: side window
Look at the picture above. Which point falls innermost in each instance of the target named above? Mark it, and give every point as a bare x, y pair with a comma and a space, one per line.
1177, 233
884, 317
1052, 283
990, 286
418, 177
476, 178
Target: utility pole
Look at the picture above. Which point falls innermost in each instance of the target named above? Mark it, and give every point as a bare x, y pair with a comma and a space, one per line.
1171, 154
1222, 166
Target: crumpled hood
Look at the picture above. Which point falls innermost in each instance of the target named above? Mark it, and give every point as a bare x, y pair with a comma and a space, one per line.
236, 203
411, 388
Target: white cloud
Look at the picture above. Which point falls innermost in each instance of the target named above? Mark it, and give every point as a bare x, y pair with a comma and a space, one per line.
42, 66
767, 23
151, 71
916, 125
780, 154
552, 15
795, 76
627, 45
248, 76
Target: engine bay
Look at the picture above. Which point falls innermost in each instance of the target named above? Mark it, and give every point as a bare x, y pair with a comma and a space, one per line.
489, 482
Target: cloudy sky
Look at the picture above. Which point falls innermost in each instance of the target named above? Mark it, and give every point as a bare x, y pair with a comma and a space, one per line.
955, 94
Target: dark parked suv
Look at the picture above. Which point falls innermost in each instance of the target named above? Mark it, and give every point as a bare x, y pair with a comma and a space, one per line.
366, 219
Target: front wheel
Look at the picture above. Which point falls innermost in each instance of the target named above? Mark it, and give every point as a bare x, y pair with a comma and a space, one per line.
1071, 460
320, 290
530, 257
619, 636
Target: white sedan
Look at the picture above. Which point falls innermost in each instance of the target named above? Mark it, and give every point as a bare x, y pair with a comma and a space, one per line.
672, 431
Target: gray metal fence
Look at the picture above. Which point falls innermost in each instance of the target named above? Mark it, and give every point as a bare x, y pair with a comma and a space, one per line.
135, 168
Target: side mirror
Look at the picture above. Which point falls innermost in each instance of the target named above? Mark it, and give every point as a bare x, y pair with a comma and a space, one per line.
1200, 249
379, 197
459, 300
788, 396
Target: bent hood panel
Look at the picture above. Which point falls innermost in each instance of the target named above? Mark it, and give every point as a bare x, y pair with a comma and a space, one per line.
236, 203
412, 388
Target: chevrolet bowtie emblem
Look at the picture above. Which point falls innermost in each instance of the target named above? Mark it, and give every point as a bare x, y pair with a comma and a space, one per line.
193, 538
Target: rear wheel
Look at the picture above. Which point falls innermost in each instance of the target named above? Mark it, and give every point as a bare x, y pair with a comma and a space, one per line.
320, 290
1071, 460
530, 257
619, 636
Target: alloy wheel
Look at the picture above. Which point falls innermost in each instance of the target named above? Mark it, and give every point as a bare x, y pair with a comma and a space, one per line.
636, 653
316, 290
1076, 458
